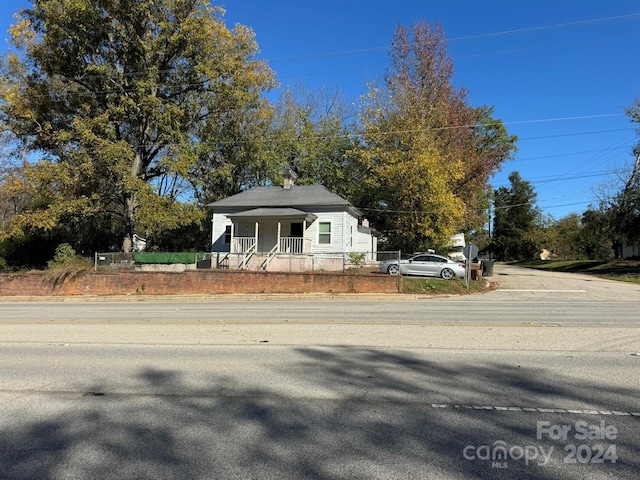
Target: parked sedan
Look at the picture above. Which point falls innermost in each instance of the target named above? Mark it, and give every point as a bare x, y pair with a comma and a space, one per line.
426, 265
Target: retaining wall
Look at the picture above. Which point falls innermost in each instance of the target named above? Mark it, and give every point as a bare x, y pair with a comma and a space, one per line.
194, 283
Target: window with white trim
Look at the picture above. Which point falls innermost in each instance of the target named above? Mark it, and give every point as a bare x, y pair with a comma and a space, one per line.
324, 233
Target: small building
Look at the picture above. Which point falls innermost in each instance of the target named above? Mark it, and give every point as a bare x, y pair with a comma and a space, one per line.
288, 228
631, 251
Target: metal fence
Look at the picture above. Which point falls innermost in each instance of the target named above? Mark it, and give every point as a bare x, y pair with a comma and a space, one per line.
265, 261
114, 261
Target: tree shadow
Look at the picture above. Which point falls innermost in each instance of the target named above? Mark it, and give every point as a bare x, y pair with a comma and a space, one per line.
367, 413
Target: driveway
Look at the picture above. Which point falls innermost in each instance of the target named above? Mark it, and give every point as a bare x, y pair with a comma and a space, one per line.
516, 283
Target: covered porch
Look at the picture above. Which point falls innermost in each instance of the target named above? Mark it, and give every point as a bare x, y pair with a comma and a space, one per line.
270, 230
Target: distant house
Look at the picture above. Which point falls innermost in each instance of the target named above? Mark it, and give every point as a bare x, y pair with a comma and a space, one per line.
293, 227
631, 251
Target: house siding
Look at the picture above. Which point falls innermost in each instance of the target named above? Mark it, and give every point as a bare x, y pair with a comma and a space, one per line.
337, 232
219, 224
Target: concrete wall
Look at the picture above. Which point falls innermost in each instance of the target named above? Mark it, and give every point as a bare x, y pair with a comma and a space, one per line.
195, 282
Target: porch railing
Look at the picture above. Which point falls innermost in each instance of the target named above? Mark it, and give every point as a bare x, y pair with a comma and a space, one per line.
246, 257
243, 244
292, 244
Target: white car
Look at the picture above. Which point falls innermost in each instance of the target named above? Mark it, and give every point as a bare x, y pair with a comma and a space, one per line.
427, 264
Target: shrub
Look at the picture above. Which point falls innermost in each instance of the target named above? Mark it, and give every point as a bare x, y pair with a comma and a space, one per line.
356, 258
64, 254
66, 264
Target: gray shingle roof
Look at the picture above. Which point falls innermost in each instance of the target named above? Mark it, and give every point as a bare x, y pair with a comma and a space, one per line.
298, 196
274, 212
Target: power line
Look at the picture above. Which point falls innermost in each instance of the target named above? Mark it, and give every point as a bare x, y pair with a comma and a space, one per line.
468, 37
576, 134
559, 178
569, 154
540, 47
550, 27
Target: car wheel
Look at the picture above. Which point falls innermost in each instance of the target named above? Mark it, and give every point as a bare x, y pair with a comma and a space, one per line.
447, 274
393, 270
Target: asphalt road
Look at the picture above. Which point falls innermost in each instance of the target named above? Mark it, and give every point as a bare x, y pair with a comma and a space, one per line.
539, 379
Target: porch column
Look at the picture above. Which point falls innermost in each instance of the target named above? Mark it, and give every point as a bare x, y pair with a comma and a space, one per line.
256, 236
278, 244
231, 246
304, 232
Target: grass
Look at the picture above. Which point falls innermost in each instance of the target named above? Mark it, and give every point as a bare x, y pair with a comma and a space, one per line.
58, 272
431, 286
437, 286
620, 270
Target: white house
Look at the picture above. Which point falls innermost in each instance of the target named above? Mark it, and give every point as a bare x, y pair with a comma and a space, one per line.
293, 227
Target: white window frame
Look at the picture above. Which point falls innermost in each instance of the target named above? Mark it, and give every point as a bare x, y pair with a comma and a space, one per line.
330, 223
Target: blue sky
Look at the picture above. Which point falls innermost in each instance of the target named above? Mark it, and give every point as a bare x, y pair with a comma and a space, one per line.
559, 74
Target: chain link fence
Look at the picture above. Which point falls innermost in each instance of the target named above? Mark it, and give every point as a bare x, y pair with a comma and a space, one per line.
114, 261
274, 262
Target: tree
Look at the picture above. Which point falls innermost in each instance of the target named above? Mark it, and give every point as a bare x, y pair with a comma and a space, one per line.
119, 100
428, 153
514, 222
564, 237
596, 238
311, 133
620, 209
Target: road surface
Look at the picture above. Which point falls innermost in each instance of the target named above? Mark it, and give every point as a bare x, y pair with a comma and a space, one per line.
540, 379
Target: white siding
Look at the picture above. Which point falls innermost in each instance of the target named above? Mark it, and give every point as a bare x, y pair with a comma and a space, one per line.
337, 232
366, 242
219, 224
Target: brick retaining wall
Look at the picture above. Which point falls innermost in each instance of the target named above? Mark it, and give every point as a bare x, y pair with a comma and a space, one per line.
196, 282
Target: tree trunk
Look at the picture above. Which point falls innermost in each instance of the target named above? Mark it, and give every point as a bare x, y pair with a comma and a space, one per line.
130, 224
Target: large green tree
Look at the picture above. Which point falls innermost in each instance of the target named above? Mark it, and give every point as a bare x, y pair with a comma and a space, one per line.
428, 153
119, 102
596, 237
312, 134
515, 223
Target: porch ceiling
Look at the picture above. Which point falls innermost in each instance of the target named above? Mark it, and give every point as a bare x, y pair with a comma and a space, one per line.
273, 214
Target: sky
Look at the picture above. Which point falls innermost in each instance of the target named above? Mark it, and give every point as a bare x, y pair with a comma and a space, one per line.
559, 73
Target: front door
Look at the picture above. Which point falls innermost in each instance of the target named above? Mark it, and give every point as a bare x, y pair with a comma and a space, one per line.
267, 236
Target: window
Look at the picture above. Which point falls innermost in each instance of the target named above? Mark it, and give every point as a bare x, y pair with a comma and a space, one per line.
324, 233
227, 234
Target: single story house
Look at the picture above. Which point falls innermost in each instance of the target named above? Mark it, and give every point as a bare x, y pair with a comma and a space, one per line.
290, 227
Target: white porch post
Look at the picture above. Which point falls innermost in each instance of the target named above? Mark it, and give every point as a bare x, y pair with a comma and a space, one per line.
304, 232
256, 236
278, 244
231, 245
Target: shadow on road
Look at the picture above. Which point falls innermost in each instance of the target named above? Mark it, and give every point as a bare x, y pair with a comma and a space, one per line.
377, 421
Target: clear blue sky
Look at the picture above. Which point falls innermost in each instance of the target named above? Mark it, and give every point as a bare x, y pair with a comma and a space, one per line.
559, 74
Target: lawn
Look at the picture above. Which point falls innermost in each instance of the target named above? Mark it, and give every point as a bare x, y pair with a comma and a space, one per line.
438, 286
621, 270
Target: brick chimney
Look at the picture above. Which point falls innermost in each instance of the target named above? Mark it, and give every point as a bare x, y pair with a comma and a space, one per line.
289, 178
